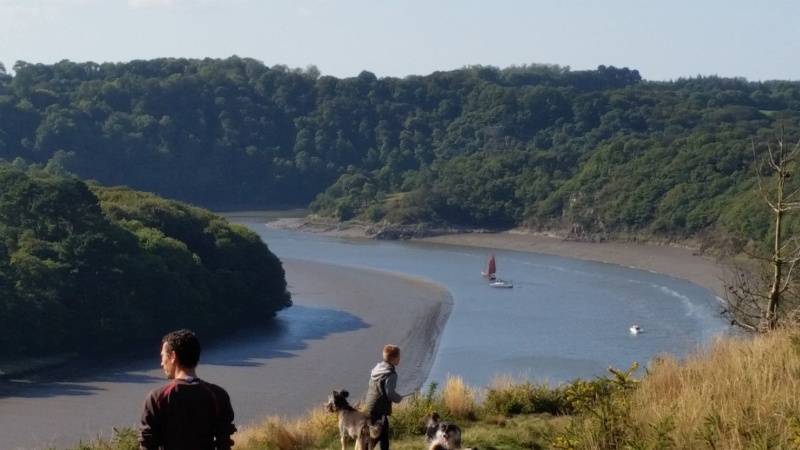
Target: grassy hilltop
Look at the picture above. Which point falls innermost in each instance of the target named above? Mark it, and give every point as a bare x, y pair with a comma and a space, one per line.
736, 393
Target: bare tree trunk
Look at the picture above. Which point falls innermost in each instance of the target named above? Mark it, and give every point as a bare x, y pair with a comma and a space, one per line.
746, 307
777, 261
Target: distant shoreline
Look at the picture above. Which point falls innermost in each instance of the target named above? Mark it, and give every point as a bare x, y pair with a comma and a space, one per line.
678, 262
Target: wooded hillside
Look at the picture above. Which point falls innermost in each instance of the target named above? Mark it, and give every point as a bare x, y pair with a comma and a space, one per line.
84, 268
595, 152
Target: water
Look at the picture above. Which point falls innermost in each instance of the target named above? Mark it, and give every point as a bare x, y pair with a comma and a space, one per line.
564, 318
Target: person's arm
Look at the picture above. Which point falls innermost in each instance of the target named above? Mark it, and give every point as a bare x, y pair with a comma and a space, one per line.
391, 389
223, 424
149, 430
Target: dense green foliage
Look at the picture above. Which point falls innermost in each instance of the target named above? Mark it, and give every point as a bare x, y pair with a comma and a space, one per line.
87, 268
599, 151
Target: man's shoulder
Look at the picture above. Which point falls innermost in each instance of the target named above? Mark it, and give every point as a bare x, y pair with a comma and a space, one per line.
217, 389
164, 387
214, 386
158, 393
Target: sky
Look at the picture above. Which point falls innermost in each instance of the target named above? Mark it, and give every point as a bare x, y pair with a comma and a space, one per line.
662, 39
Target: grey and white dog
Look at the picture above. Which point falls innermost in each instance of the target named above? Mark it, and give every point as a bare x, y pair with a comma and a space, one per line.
353, 424
441, 435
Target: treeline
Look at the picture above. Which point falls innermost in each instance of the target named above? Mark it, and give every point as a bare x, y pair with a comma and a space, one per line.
86, 268
599, 151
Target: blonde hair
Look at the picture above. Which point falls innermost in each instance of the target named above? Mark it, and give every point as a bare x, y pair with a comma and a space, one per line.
390, 351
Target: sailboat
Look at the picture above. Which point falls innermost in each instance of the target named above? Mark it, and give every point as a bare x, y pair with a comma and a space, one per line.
491, 269
490, 274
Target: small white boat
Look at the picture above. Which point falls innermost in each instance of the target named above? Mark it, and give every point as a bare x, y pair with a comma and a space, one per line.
501, 284
636, 329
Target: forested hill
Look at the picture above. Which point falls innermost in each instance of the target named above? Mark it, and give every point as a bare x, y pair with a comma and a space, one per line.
85, 268
597, 151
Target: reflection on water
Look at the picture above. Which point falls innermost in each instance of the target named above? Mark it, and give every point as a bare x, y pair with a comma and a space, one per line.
292, 330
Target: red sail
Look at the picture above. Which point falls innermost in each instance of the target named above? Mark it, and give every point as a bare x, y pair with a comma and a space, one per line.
491, 269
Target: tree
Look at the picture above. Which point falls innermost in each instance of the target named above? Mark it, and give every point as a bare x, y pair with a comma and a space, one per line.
763, 299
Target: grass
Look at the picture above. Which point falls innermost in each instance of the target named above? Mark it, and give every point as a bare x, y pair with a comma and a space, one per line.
734, 394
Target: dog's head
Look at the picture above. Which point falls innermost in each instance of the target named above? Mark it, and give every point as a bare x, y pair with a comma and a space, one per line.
431, 421
449, 435
337, 401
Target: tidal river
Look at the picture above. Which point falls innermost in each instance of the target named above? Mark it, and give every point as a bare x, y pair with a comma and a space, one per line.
563, 319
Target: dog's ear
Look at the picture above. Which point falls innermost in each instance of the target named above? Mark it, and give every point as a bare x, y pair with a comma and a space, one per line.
431, 419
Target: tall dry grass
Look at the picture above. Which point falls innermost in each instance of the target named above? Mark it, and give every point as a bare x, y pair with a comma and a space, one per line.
734, 394
315, 430
458, 398
319, 428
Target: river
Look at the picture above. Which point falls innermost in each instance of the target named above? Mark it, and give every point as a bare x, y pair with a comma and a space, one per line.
563, 319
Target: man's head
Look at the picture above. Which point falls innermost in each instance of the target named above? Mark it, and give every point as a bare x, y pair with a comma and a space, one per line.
179, 350
391, 354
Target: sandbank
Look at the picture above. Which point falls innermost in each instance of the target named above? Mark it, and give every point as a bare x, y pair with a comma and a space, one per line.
388, 308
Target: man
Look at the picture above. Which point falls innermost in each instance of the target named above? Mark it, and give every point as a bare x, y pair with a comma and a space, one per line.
381, 391
188, 413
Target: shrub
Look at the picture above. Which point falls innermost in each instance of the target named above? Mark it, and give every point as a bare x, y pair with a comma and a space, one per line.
507, 398
458, 399
602, 410
407, 419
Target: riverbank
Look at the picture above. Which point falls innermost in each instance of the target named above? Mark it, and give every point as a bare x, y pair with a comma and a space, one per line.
678, 262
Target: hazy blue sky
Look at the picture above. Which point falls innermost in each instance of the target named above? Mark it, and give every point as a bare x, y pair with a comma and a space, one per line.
663, 39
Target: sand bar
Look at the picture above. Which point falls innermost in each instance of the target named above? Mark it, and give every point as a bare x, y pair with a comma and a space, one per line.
382, 308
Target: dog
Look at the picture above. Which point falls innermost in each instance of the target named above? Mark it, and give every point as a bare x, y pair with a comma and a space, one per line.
440, 446
431, 427
440, 435
353, 424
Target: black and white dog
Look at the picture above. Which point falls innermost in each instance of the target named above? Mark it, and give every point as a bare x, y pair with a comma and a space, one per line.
440, 435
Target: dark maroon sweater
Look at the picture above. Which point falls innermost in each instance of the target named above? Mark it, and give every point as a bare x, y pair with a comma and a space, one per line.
185, 415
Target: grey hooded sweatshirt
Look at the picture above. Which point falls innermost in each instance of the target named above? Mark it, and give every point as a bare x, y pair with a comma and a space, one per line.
381, 392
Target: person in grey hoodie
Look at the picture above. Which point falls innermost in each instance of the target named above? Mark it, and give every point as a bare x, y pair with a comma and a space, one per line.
381, 392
